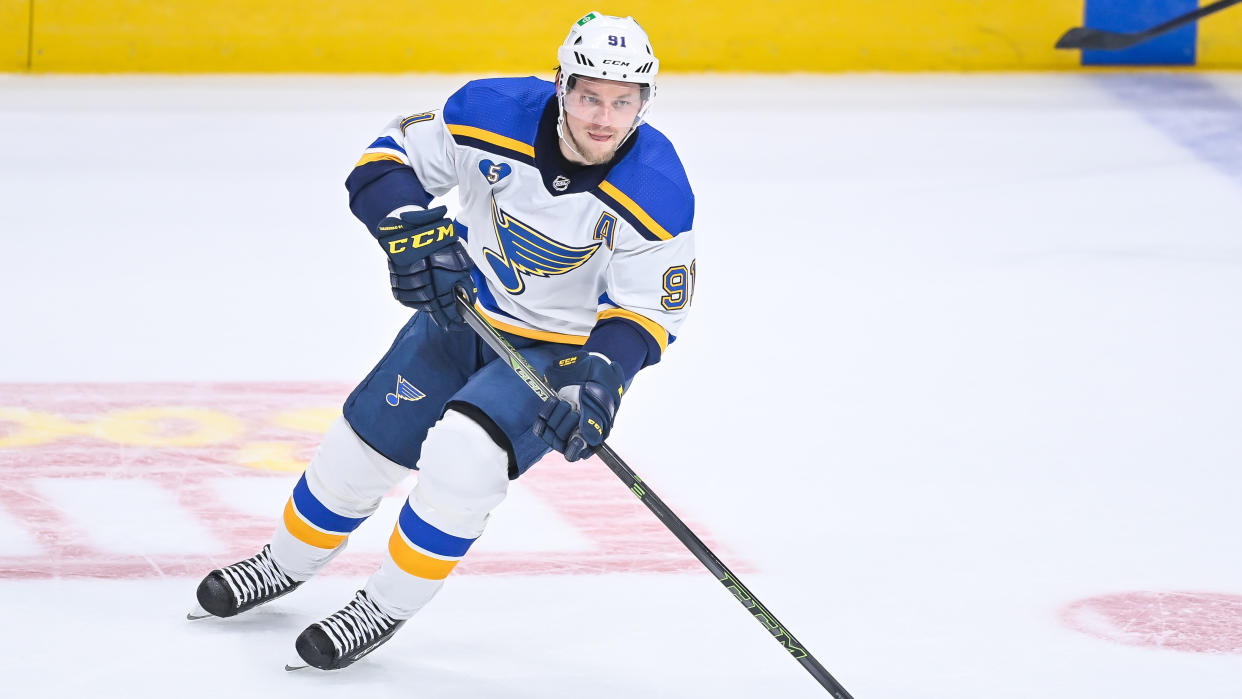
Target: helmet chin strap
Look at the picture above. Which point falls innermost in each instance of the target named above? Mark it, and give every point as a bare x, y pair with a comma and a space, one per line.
560, 126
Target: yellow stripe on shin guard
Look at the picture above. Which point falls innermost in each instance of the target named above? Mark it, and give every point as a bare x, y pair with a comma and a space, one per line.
416, 563
308, 534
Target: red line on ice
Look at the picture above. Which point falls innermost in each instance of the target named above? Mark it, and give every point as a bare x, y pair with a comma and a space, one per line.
1197, 622
628, 538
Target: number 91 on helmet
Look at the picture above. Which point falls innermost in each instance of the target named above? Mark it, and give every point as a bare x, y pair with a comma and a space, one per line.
607, 73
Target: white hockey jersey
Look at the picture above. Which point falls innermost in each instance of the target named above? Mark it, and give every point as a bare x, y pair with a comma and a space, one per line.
558, 248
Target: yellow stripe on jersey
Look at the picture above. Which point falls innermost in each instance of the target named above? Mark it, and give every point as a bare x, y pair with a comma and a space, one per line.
608, 188
492, 138
545, 335
416, 119
417, 563
653, 328
308, 534
375, 157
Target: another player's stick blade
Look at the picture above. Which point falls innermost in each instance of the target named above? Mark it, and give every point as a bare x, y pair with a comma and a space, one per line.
197, 613
1089, 39
295, 668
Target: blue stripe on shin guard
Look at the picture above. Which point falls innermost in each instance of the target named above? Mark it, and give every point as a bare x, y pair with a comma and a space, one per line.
429, 538
319, 515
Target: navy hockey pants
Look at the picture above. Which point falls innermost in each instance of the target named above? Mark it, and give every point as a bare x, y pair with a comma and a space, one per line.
428, 370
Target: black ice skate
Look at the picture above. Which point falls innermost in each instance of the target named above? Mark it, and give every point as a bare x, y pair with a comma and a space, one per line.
346, 636
244, 585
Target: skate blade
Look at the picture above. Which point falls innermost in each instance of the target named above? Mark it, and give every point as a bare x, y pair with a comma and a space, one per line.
197, 613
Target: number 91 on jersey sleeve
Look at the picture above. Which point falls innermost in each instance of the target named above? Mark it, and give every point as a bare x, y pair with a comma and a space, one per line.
678, 287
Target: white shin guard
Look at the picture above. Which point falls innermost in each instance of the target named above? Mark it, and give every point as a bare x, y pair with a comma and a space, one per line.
462, 476
349, 478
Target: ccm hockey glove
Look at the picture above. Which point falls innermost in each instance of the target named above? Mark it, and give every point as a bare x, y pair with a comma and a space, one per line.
425, 263
579, 417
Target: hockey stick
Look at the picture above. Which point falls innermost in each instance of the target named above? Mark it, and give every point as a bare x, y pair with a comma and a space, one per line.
1097, 39
679, 529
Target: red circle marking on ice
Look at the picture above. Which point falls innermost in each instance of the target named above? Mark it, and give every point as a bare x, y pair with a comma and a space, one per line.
1198, 622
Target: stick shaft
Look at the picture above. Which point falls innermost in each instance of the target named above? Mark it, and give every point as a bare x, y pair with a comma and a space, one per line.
662, 512
1098, 39
1190, 17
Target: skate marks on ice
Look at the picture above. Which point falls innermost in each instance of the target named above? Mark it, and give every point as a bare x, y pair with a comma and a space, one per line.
143, 480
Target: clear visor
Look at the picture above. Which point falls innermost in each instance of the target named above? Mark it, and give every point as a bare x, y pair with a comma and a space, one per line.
607, 103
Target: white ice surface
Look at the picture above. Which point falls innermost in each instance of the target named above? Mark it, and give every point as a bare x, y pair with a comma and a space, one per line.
964, 349
83, 499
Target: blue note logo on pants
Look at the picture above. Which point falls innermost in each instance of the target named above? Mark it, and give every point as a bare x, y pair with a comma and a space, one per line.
405, 391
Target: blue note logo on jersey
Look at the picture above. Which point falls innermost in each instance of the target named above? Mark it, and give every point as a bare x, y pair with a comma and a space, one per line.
524, 250
405, 391
493, 172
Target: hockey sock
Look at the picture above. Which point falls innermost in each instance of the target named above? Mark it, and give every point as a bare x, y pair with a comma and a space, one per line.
343, 485
462, 476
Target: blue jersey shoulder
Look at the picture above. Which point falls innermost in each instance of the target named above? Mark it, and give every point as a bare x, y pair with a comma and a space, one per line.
650, 184
508, 107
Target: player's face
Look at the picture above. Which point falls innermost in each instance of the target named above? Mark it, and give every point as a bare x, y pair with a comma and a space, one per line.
598, 114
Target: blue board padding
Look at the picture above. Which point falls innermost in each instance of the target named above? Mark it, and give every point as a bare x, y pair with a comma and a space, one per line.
1176, 48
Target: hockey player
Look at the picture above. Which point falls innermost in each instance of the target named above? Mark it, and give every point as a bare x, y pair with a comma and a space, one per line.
573, 238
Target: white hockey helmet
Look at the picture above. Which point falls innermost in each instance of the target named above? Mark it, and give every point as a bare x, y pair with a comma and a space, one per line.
612, 48
608, 48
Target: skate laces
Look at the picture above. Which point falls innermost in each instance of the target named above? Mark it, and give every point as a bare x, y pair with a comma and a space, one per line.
358, 623
255, 576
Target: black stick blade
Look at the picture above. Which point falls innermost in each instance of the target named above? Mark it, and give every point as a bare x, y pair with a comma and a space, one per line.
1090, 39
